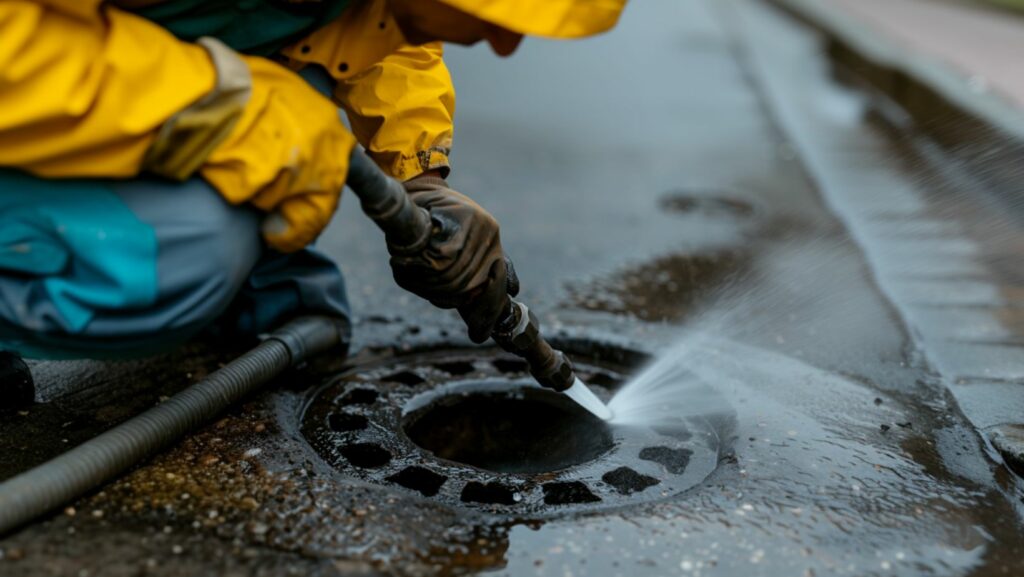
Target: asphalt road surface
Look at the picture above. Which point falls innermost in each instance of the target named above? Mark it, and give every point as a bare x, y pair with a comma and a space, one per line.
694, 174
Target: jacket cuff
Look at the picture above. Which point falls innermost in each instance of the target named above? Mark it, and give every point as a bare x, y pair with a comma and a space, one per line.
421, 183
406, 166
435, 158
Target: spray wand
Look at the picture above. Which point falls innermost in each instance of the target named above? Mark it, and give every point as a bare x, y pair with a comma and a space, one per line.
408, 227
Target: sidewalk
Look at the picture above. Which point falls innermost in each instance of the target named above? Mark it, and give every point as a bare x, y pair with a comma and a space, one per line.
952, 68
984, 46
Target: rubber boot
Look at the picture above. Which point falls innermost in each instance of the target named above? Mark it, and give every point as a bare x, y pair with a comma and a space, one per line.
17, 390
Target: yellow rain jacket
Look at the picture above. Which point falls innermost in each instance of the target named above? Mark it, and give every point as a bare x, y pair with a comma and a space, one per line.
89, 89
92, 89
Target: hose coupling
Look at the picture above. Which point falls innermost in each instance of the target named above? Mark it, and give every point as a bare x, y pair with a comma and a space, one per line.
518, 332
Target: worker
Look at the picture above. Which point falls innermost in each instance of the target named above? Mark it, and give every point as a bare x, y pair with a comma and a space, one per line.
166, 165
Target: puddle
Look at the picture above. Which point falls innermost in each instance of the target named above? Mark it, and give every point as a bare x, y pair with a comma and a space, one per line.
708, 204
667, 288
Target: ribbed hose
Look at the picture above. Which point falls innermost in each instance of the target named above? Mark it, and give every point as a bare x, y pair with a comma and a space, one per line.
64, 478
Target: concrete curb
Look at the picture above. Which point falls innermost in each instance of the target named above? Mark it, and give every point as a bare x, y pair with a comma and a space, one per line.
918, 93
971, 126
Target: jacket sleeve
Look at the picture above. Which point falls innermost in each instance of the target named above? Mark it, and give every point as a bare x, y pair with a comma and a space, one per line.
84, 88
401, 110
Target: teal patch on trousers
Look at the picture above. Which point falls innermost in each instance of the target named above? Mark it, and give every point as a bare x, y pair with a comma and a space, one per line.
76, 238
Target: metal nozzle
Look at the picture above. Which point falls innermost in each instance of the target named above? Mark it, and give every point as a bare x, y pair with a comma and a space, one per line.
518, 332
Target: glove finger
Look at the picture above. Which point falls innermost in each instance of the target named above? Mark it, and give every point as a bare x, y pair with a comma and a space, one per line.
481, 313
439, 295
443, 228
512, 281
420, 279
443, 257
413, 280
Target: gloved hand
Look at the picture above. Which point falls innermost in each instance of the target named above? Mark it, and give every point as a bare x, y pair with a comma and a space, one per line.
463, 266
287, 155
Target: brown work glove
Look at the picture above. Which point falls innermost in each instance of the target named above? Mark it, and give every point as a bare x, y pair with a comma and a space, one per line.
463, 266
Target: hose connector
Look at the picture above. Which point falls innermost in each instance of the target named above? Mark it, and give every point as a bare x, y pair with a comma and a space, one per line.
518, 332
307, 337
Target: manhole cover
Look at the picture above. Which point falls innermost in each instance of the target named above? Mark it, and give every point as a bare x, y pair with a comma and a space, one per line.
469, 428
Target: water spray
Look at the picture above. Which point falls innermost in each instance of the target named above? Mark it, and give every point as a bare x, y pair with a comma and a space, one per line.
408, 227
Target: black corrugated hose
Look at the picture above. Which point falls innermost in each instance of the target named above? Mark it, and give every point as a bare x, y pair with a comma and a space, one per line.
99, 460
64, 478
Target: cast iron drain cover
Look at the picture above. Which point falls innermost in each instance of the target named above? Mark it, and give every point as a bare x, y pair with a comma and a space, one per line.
469, 428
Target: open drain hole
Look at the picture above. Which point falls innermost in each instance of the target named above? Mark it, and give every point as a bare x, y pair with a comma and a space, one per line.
359, 397
488, 493
419, 479
346, 423
520, 431
407, 378
366, 455
507, 366
568, 493
675, 461
627, 481
456, 368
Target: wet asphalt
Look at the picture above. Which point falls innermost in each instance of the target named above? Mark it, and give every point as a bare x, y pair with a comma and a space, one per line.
651, 187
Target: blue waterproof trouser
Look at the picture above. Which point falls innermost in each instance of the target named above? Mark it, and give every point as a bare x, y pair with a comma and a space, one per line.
92, 268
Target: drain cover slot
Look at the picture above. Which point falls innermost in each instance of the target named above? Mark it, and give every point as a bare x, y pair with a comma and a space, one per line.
346, 422
492, 493
366, 455
359, 397
419, 479
407, 378
568, 493
675, 461
627, 481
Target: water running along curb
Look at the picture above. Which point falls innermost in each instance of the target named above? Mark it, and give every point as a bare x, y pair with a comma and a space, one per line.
979, 142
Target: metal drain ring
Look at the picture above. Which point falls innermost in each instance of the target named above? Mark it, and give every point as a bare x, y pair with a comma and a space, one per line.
355, 423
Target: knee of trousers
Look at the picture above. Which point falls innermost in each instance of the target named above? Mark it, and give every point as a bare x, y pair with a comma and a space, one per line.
207, 249
134, 262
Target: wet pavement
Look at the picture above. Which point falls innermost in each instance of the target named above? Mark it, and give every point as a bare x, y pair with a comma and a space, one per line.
693, 176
